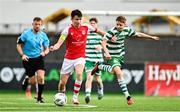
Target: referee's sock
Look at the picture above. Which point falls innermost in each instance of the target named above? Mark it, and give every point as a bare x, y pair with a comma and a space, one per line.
40, 91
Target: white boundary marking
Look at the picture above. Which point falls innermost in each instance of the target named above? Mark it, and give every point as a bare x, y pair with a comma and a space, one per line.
80, 106
51, 104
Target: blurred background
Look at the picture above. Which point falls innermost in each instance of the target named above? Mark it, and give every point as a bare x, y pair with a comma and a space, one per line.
151, 67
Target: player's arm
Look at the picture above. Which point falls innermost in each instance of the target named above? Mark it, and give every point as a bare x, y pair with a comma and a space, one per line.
139, 34
45, 51
59, 43
45, 46
19, 49
100, 32
61, 39
104, 44
97, 30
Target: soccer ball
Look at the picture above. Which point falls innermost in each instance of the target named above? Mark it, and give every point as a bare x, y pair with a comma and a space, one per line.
60, 99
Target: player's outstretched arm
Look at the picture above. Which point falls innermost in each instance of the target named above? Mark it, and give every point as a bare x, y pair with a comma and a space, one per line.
101, 32
139, 34
58, 44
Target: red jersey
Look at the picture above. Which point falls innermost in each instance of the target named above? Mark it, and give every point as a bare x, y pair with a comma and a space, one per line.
76, 41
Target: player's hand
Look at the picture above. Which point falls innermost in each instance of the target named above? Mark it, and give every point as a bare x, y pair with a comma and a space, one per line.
43, 54
107, 56
51, 48
98, 48
114, 39
155, 38
25, 58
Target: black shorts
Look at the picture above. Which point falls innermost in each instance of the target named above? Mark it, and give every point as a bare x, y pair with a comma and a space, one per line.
33, 64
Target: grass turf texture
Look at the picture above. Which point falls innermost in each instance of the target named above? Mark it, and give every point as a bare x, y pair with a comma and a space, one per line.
11, 101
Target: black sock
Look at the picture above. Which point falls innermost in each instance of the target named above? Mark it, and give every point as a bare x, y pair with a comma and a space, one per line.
40, 91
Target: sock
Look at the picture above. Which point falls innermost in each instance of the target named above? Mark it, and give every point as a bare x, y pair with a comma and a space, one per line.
106, 68
123, 87
28, 88
77, 87
88, 92
28, 92
40, 91
100, 87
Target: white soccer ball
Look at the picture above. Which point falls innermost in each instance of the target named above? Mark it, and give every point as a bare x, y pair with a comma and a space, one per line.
60, 99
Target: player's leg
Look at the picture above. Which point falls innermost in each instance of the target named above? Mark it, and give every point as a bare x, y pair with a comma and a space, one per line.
40, 71
89, 78
66, 69
101, 66
29, 73
88, 86
79, 67
32, 81
29, 79
62, 83
99, 87
117, 70
40, 81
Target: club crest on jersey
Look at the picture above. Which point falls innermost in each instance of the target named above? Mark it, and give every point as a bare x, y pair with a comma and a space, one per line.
83, 32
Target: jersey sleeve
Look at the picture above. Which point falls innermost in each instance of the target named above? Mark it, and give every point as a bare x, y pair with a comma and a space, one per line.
21, 39
109, 34
46, 41
131, 32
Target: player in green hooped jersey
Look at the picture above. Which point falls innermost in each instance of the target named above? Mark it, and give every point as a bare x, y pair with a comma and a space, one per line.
93, 55
113, 46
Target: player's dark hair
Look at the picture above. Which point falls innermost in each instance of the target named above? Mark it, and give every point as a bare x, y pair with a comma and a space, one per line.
76, 13
37, 19
121, 19
93, 19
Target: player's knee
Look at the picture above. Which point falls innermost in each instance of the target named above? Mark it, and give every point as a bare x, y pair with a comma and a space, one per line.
40, 80
98, 80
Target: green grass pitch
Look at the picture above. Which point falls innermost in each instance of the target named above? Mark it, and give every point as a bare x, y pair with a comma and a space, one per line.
17, 102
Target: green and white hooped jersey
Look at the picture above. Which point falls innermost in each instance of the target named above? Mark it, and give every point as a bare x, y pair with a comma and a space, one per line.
117, 49
93, 40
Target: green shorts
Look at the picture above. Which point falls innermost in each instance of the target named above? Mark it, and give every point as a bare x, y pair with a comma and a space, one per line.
116, 61
89, 67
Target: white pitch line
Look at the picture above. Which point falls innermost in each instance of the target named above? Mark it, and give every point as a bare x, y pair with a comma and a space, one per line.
80, 106
51, 104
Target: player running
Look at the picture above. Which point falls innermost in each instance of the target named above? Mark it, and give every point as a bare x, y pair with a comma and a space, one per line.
93, 55
113, 46
75, 36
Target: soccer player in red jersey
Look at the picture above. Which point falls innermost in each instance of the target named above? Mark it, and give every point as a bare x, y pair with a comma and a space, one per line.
75, 36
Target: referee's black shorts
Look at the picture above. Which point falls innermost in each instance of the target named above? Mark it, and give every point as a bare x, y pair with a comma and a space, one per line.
33, 64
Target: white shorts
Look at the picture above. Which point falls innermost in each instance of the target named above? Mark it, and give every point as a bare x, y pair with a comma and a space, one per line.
68, 65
